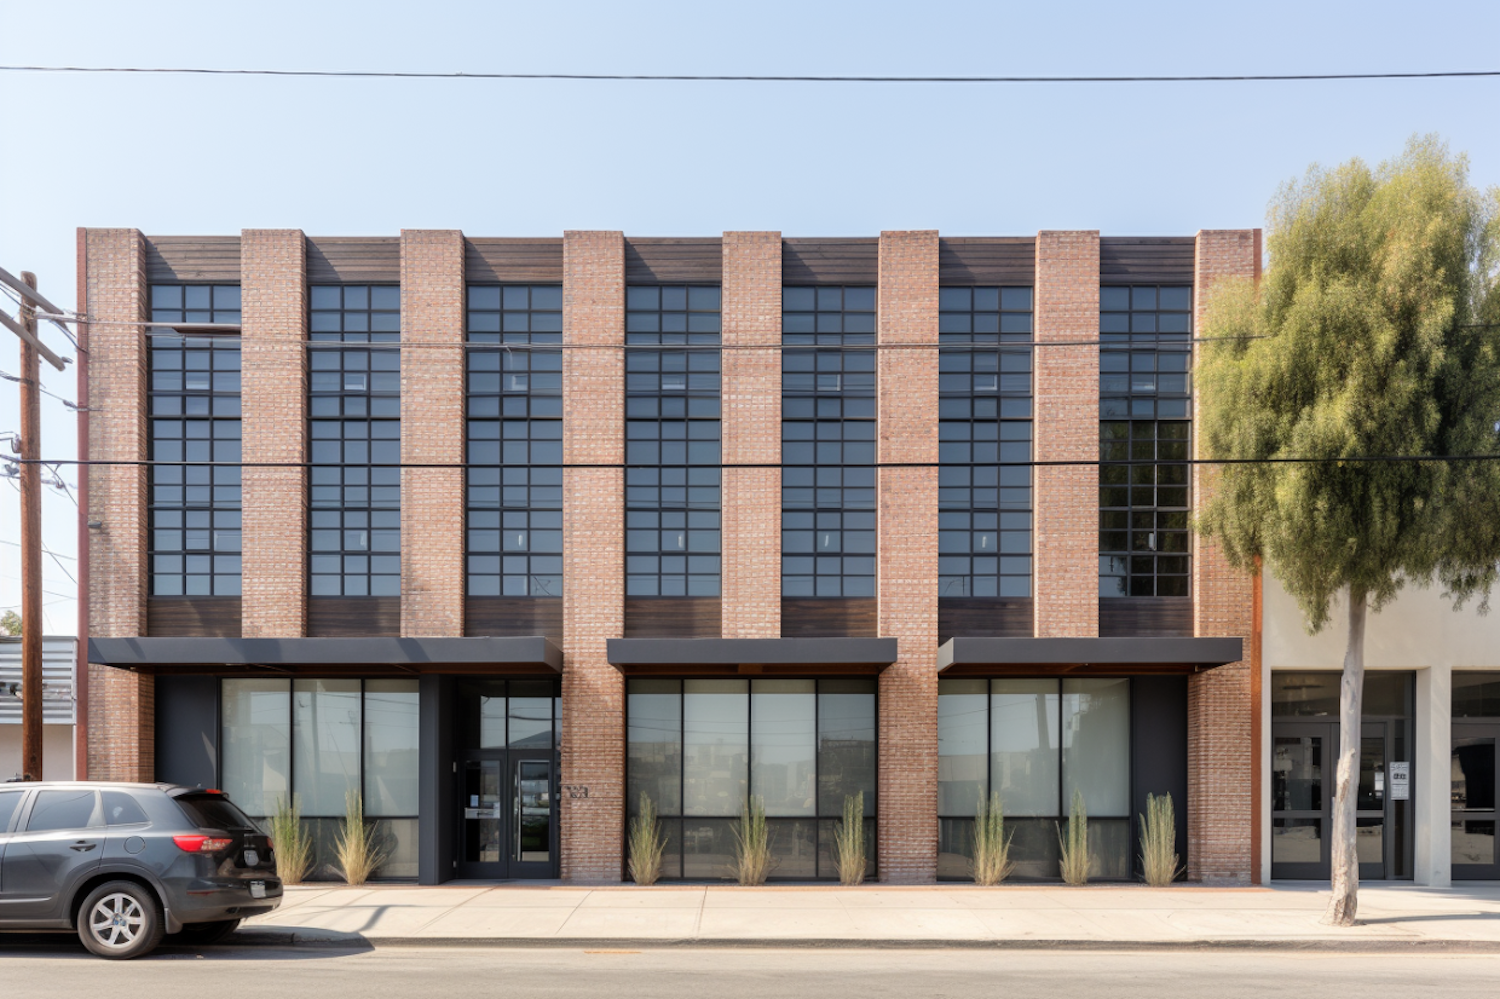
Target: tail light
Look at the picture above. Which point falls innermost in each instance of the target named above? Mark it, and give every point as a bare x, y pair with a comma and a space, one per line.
202, 844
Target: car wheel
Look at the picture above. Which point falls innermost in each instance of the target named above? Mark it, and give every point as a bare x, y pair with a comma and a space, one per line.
203, 934
120, 920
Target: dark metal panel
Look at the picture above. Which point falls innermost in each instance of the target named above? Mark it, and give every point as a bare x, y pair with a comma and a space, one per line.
193, 258
828, 617
1159, 751
537, 261
436, 804
206, 617
130, 653
762, 651
187, 730
675, 260
984, 617
353, 259
1147, 259
987, 260
854, 260
1145, 617
352, 617
672, 617
1185, 652
503, 616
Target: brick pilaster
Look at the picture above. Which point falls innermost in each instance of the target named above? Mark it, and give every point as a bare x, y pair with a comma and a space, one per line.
907, 564
432, 433
751, 429
1222, 719
121, 704
1065, 568
593, 732
273, 392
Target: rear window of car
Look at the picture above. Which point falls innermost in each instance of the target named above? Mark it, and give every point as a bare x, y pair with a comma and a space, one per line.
213, 811
8, 802
64, 810
120, 809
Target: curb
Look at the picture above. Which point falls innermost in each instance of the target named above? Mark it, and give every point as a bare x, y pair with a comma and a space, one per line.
330, 939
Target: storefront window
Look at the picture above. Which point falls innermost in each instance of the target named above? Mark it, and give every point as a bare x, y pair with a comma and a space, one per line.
1035, 741
699, 748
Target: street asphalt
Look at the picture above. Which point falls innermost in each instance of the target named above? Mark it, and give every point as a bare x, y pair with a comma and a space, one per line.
58, 967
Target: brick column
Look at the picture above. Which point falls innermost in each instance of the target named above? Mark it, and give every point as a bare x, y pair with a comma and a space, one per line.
907, 386
273, 394
593, 698
432, 433
750, 515
121, 704
1223, 721
1065, 567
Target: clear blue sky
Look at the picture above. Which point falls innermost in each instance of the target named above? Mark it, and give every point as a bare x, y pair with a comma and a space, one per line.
193, 155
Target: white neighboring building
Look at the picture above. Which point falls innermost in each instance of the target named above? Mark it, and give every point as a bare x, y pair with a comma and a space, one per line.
1427, 798
59, 659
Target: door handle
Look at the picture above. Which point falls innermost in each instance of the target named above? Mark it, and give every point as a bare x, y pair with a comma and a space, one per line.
82, 846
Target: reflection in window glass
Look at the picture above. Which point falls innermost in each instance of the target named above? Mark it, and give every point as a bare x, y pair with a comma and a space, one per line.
1096, 744
325, 747
256, 744
1023, 745
715, 746
963, 741
783, 732
391, 747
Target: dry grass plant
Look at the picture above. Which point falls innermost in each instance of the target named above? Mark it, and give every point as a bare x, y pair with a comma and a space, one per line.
290, 843
752, 855
849, 841
992, 863
358, 855
1159, 859
647, 844
1075, 845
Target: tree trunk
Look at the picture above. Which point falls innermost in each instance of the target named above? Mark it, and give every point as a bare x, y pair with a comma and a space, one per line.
1344, 902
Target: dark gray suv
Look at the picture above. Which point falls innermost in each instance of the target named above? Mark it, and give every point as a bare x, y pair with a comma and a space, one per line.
126, 864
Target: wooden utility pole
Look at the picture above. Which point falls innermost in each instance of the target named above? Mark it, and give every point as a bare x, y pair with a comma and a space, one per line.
31, 544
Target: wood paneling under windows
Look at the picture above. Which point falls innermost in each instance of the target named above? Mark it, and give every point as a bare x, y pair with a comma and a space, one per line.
522, 261
983, 617
1146, 259
684, 260
192, 258
672, 617
193, 617
828, 617
855, 260
1145, 617
501, 617
987, 260
353, 259
353, 617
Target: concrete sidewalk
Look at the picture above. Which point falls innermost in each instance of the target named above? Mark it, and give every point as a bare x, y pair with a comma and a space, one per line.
1132, 917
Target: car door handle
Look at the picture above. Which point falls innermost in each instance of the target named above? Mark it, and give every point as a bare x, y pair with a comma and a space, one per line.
83, 846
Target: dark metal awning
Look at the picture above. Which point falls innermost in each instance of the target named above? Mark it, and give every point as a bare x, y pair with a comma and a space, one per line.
718, 656
1098, 656
323, 655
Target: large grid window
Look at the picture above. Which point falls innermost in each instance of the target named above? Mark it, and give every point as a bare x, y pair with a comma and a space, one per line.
195, 419
700, 749
1035, 742
672, 540
355, 426
515, 440
310, 741
1145, 402
984, 382
828, 442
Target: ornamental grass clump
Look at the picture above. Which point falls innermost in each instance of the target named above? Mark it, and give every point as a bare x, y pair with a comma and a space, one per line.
290, 843
647, 844
992, 863
849, 841
358, 855
752, 855
1159, 858
1075, 845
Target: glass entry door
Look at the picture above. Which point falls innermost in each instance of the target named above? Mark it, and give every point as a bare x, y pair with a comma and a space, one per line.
508, 815
1304, 769
1473, 795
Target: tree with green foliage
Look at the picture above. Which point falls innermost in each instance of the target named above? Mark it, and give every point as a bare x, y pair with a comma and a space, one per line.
1373, 335
10, 623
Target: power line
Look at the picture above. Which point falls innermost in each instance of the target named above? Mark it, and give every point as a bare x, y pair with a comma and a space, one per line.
754, 78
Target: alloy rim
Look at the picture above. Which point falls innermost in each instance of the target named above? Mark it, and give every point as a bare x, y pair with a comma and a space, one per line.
117, 920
